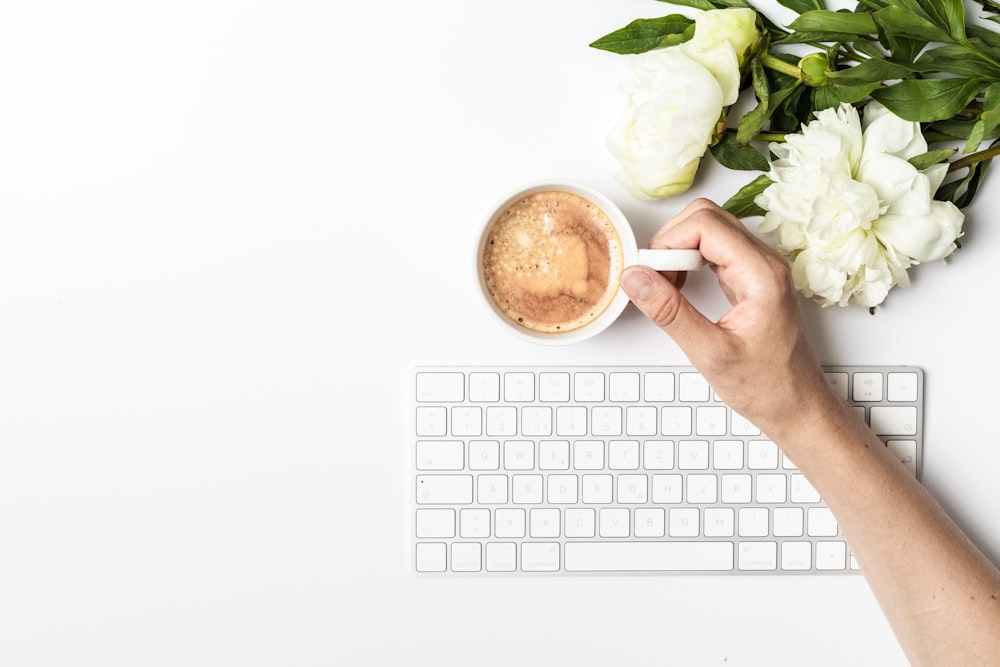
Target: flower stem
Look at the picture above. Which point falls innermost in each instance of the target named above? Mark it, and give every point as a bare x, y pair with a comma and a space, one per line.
975, 158
779, 65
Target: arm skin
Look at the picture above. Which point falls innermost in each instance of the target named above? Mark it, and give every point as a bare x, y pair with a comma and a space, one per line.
939, 592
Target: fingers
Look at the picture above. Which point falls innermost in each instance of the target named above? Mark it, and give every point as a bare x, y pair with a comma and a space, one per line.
666, 307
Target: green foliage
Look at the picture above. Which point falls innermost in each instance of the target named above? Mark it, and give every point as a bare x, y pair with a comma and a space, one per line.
923, 59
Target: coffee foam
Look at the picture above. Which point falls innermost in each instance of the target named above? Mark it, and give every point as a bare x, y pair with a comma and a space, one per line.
551, 261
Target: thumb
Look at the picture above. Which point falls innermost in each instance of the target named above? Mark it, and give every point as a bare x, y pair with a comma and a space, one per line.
666, 307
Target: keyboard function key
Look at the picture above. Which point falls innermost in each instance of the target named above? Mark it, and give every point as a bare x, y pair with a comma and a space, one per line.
694, 388
588, 387
839, 383
623, 387
867, 387
902, 386
553, 387
658, 387
519, 387
484, 387
433, 387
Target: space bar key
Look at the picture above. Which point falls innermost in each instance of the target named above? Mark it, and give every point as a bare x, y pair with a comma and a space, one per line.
648, 556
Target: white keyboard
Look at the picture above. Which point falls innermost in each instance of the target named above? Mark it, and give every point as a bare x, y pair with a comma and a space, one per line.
558, 470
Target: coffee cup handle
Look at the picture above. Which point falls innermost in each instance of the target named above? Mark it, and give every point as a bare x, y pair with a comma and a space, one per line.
663, 259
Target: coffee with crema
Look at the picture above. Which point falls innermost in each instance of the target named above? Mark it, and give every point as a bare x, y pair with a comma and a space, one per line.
551, 261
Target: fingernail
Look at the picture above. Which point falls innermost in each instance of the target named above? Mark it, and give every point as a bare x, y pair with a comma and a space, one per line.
636, 283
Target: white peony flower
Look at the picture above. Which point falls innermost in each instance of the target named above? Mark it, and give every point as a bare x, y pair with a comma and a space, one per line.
723, 41
850, 210
674, 104
673, 108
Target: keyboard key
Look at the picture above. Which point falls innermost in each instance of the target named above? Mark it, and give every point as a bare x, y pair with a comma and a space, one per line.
519, 455
553, 455
623, 455
588, 455
675, 420
613, 522
658, 454
649, 522
758, 556
796, 556
501, 557
831, 555
658, 387
588, 387
571, 421
444, 489
435, 523
484, 387
501, 421
553, 387
432, 557
580, 522
467, 421
484, 455
466, 557
623, 387
510, 522
527, 489
648, 556
474, 523
491, 489
519, 387
562, 489
902, 386
894, 420
596, 489
906, 452
440, 387
540, 556
544, 522
640, 420
692, 454
606, 420
867, 387
440, 455
694, 388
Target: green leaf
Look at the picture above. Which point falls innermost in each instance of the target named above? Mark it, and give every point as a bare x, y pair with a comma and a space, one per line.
697, 4
708, 4
644, 35
949, 14
900, 22
988, 121
802, 6
827, 21
742, 157
956, 60
961, 192
873, 70
742, 203
924, 100
931, 158
768, 102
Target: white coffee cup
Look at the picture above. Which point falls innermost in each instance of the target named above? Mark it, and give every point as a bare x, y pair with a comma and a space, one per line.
659, 259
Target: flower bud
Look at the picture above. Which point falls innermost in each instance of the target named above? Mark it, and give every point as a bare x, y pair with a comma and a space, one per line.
813, 70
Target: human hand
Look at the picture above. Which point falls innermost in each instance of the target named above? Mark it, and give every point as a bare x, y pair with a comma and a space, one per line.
757, 357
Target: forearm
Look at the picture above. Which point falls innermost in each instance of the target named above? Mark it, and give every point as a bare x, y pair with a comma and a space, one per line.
939, 592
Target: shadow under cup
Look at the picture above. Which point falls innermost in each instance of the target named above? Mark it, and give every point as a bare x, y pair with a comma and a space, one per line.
550, 258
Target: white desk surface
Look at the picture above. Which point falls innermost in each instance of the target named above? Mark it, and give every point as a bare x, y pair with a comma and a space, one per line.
227, 232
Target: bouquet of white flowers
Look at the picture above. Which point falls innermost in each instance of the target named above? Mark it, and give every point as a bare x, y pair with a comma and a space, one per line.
847, 104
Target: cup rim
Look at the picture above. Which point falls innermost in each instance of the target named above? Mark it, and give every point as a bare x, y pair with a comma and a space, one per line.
626, 236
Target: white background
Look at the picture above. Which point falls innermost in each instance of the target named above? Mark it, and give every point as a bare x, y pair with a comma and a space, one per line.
228, 230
